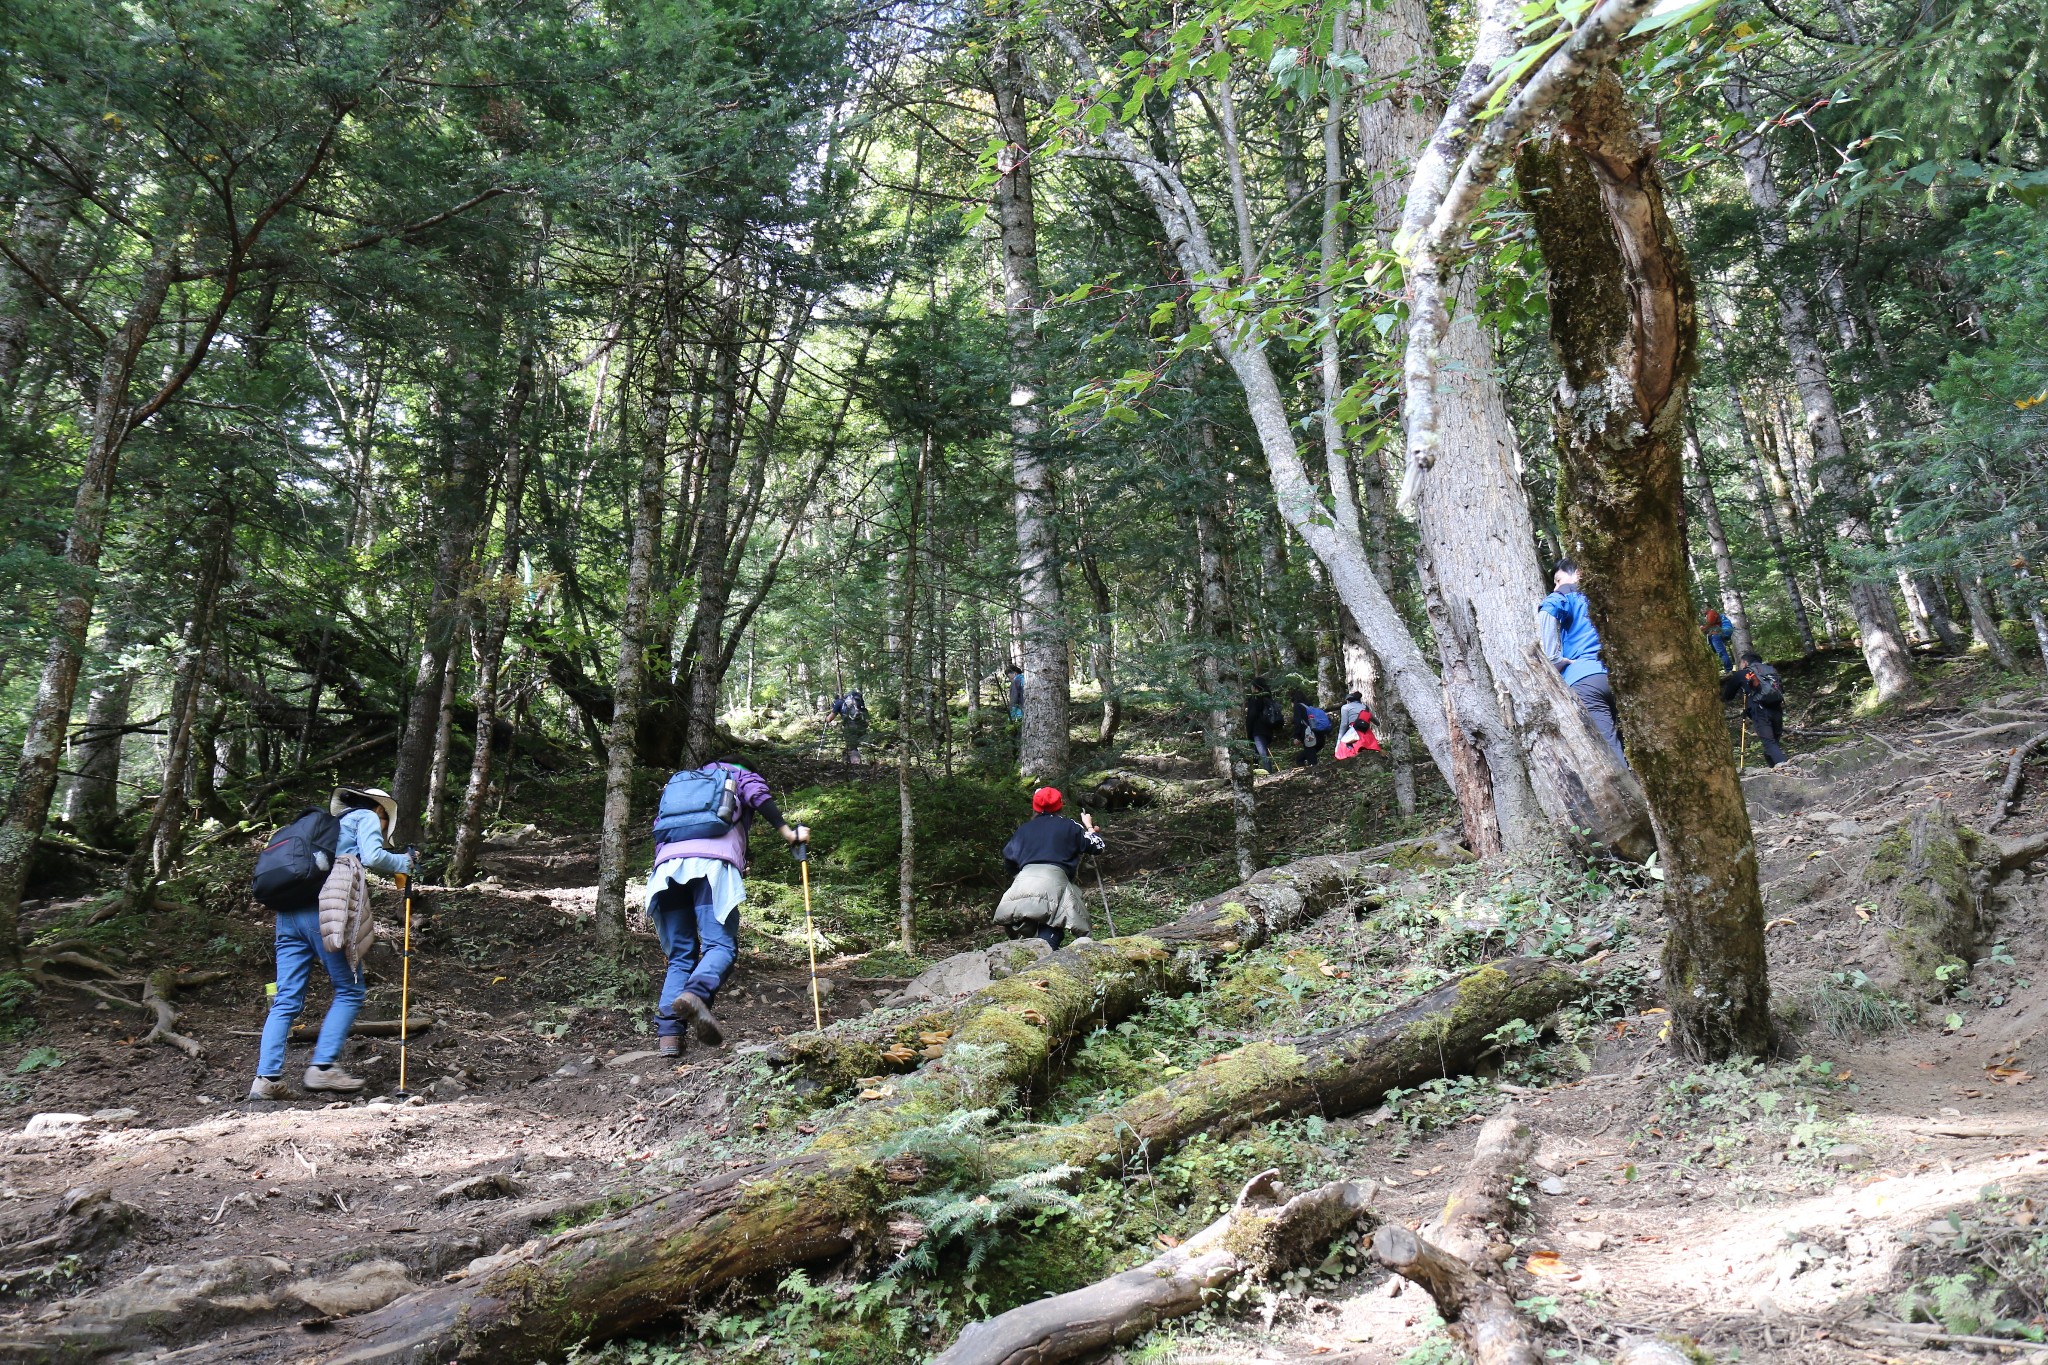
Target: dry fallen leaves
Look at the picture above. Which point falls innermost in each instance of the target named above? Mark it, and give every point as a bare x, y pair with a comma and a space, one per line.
1546, 1265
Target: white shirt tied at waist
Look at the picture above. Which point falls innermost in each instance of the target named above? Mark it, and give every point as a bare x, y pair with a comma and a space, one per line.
728, 889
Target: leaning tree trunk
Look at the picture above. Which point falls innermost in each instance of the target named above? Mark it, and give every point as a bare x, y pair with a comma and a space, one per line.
35, 780
1840, 481
1622, 319
1982, 624
616, 838
1042, 750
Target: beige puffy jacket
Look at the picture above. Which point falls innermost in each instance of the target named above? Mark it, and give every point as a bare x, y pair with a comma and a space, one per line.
347, 922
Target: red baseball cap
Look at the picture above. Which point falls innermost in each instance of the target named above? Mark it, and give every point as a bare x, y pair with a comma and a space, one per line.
1046, 801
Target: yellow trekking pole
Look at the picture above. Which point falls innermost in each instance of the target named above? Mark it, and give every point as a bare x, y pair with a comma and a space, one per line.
1742, 759
405, 969
802, 853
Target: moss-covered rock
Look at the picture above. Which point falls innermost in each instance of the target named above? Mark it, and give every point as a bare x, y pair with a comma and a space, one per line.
1932, 876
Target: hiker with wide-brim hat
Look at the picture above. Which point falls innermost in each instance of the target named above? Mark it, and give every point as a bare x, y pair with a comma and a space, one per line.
363, 817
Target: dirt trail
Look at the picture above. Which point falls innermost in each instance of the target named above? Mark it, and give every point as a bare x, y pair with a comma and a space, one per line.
1755, 1210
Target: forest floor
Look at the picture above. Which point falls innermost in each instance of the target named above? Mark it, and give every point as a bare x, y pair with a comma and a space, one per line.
1878, 1185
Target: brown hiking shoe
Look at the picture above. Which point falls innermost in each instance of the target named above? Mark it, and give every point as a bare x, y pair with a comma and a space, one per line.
332, 1079
671, 1044
698, 1014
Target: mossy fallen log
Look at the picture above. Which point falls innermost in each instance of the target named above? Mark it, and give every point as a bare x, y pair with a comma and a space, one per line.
1105, 981
1442, 1033
617, 1274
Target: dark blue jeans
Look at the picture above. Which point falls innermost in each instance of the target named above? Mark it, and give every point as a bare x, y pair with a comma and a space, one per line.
700, 950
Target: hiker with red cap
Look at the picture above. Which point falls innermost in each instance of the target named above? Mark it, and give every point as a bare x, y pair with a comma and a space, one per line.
1044, 858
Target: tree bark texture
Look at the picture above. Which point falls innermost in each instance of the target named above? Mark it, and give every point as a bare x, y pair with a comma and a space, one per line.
906, 666
1622, 320
35, 779
1256, 1237
1983, 625
1042, 749
92, 804
1840, 479
1216, 665
1103, 654
618, 837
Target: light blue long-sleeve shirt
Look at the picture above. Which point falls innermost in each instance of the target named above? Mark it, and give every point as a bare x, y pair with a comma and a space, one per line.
362, 834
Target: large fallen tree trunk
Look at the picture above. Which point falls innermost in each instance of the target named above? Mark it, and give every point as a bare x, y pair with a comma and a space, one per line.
1099, 982
1253, 1238
620, 1273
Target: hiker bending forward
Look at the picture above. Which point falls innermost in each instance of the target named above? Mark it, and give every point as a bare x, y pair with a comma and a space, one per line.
1044, 858
1763, 701
694, 900
366, 815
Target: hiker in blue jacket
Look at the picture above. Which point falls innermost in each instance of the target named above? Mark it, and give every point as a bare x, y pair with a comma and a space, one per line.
1307, 733
1572, 644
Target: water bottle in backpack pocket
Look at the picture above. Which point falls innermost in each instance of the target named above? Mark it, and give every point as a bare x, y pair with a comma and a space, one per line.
293, 865
697, 803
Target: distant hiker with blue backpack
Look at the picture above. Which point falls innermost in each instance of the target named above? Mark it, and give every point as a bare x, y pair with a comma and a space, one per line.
1262, 721
1312, 725
1572, 644
694, 895
311, 875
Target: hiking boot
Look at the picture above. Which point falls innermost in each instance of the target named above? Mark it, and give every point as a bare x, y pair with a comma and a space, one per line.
671, 1044
698, 1014
268, 1088
332, 1079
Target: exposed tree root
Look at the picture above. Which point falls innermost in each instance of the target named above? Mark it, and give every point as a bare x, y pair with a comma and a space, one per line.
619, 1273
1102, 982
158, 990
1255, 1237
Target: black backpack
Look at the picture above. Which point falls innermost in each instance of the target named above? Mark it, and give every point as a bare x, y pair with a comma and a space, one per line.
1271, 714
1764, 679
294, 864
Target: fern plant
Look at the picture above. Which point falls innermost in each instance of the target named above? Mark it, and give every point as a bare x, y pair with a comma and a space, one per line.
976, 1220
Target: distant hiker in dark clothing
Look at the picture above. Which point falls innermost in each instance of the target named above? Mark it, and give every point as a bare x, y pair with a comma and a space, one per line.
1354, 729
1763, 700
695, 892
1262, 721
1572, 643
1311, 724
1719, 630
1044, 858
1017, 693
851, 711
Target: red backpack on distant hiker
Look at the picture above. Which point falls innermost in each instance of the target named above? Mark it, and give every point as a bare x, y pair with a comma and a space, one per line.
1358, 738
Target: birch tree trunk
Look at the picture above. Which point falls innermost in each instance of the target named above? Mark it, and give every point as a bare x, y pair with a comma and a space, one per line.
617, 837
1717, 538
1042, 750
1341, 552
35, 779
1549, 769
1839, 480
1622, 320
496, 601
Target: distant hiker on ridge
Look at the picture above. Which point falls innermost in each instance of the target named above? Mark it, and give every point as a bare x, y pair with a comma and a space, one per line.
852, 713
1572, 644
694, 894
1044, 858
311, 874
1354, 729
